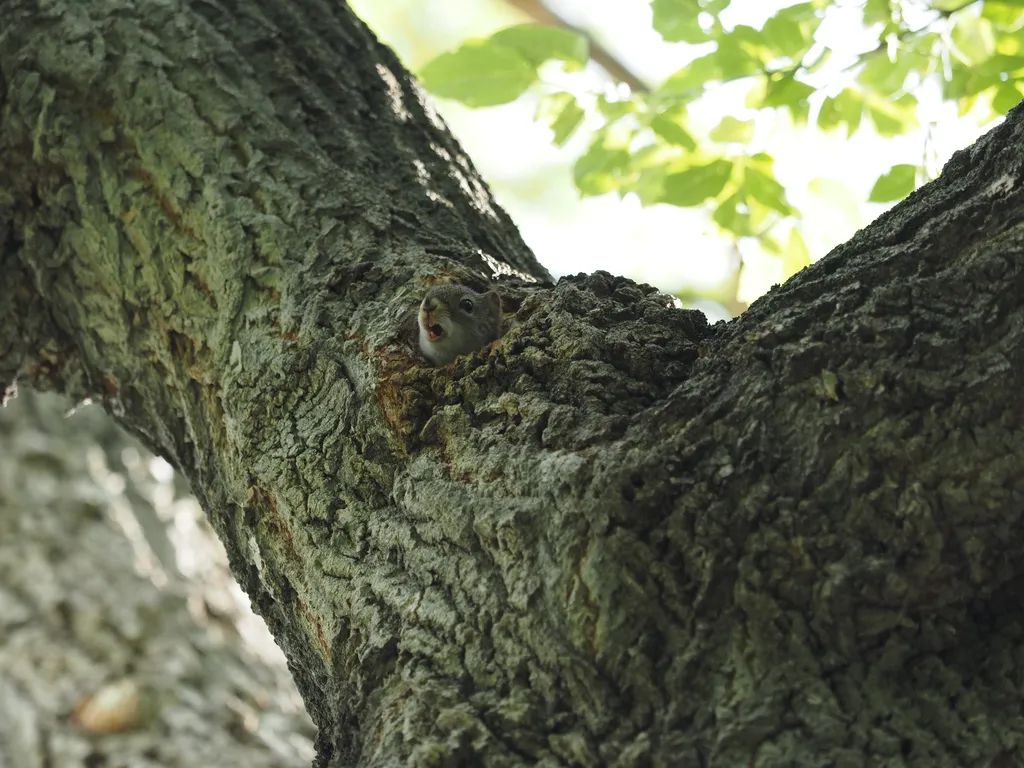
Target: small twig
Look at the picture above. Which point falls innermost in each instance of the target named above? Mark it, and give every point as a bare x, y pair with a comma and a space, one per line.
541, 14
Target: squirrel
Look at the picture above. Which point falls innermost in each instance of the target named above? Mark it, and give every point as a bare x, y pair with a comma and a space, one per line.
455, 320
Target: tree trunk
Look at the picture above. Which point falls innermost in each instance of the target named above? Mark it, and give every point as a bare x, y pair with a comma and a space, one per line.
617, 537
109, 654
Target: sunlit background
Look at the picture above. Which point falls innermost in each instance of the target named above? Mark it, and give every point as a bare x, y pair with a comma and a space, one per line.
827, 176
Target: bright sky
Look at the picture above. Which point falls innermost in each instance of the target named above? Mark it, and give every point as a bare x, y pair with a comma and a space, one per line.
670, 247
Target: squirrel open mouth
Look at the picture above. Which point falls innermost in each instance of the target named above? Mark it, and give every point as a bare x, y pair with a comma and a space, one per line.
434, 332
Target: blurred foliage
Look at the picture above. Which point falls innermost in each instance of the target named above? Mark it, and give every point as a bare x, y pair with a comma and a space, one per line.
645, 142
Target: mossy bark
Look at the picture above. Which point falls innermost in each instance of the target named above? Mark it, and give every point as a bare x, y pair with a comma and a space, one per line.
617, 537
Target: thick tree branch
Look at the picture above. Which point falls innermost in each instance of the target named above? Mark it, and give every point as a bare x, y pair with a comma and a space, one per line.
617, 536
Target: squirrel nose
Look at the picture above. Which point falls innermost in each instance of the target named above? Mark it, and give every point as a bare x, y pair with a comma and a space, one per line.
429, 305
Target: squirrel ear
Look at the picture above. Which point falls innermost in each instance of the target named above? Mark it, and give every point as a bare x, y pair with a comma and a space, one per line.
494, 299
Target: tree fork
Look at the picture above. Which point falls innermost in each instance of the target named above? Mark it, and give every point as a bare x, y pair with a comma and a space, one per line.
618, 537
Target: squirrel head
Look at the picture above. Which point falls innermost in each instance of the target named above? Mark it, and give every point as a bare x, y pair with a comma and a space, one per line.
455, 320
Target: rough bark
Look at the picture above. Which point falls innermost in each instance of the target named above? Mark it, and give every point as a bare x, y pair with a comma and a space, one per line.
95, 596
617, 537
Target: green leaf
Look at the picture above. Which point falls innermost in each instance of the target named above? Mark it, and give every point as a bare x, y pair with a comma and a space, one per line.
1011, 42
769, 244
695, 185
882, 75
479, 74
601, 168
614, 109
676, 21
1006, 13
896, 184
669, 126
877, 12
784, 36
927, 48
650, 186
755, 96
885, 123
847, 107
689, 81
892, 118
795, 256
742, 53
790, 32
563, 113
538, 43
965, 105
1006, 97
966, 81
766, 190
973, 39
803, 12
999, 64
551, 105
730, 218
751, 39
733, 130
788, 92
714, 7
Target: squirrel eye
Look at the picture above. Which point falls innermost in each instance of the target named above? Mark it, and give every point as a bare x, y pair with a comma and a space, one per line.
466, 305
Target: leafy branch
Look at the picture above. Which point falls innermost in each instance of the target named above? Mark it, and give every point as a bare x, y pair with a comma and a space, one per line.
646, 144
